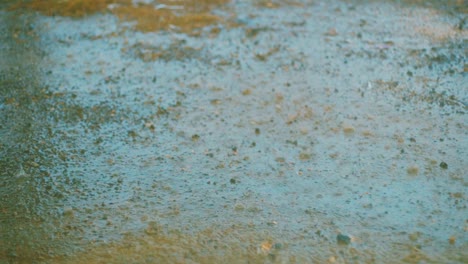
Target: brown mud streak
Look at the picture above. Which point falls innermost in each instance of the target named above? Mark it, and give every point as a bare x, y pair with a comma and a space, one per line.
149, 19
71, 8
181, 15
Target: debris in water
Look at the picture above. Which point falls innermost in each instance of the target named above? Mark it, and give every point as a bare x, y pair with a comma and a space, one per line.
68, 211
21, 173
132, 134
265, 247
215, 102
153, 228
452, 240
413, 170
246, 92
150, 125
331, 32
414, 236
348, 129
280, 160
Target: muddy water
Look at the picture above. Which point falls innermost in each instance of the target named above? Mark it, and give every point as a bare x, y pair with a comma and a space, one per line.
237, 132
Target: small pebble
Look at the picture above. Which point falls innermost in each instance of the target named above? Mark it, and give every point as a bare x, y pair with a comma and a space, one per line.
443, 165
343, 239
304, 156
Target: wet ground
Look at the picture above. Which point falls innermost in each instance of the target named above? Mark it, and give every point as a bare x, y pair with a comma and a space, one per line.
233, 131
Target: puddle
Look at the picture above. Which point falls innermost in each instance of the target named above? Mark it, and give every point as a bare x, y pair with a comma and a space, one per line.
227, 131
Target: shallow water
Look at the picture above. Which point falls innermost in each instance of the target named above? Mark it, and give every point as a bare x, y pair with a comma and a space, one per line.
241, 132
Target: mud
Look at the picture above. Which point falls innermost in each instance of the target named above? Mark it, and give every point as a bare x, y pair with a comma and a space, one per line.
237, 132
